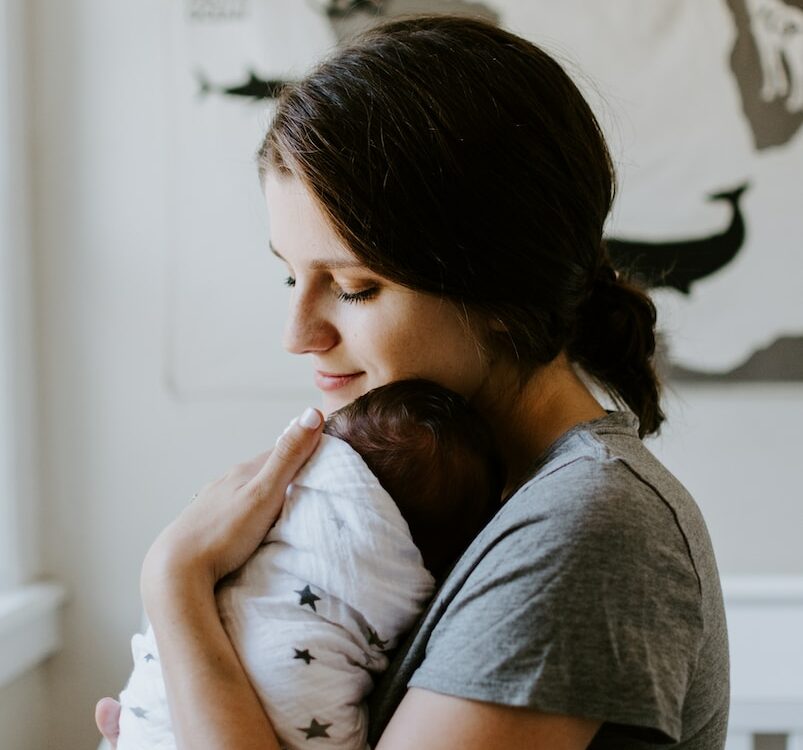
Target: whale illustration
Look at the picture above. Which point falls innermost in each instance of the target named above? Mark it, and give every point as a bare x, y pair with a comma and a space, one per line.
680, 263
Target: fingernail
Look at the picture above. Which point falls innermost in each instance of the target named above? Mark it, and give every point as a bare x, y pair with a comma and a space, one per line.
310, 418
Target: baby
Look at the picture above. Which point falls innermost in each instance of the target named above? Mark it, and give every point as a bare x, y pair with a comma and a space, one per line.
345, 571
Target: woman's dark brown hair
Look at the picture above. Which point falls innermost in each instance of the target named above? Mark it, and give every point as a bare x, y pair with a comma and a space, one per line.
456, 158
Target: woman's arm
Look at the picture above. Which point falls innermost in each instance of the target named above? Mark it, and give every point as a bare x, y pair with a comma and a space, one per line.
212, 703
426, 720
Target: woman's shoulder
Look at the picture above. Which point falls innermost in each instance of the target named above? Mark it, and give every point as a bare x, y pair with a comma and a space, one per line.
599, 462
600, 484
597, 499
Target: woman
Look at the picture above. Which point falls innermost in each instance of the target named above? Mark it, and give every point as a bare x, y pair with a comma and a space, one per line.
437, 192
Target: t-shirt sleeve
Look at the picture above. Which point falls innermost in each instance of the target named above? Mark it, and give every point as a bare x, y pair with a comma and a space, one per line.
587, 603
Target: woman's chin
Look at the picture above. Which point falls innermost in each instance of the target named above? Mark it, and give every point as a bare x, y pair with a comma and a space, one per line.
331, 403
334, 400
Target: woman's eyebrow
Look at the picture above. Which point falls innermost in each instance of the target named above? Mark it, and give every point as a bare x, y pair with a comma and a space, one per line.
318, 263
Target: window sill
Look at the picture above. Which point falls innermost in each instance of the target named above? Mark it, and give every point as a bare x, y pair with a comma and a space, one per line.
29, 627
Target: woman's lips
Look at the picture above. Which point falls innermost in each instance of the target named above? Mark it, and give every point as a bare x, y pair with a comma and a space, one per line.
327, 381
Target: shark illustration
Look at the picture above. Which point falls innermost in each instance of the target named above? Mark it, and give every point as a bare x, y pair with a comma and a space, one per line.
255, 88
678, 264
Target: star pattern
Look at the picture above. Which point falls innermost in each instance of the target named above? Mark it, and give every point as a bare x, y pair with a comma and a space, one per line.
140, 713
149, 657
307, 597
305, 655
375, 640
338, 521
315, 729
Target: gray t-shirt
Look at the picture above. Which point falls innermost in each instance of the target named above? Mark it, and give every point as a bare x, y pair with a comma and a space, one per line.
593, 592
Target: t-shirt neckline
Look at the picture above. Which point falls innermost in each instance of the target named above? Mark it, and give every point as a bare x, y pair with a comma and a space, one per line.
614, 422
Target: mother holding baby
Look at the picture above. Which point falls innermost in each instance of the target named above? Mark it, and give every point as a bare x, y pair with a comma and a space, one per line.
437, 191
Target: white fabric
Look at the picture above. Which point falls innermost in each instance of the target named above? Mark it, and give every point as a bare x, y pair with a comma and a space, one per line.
337, 582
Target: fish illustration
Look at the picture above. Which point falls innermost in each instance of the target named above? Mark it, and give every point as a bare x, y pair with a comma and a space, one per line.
678, 264
255, 88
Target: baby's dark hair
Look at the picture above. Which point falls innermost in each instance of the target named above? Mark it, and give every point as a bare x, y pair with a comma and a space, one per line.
434, 455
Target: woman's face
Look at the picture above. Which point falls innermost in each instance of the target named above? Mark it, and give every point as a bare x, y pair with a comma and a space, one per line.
359, 329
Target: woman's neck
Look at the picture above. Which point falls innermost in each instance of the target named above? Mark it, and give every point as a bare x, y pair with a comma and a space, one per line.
527, 421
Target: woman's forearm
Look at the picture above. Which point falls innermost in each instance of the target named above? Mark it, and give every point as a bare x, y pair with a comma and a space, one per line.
212, 703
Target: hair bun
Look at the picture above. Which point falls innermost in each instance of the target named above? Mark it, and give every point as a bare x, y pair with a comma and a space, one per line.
614, 342
606, 276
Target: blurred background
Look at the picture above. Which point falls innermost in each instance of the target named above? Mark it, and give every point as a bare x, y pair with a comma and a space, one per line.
140, 309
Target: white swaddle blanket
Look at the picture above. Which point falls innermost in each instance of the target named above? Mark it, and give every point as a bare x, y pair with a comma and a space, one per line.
336, 584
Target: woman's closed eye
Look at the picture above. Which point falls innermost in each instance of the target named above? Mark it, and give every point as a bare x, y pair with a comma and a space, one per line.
363, 295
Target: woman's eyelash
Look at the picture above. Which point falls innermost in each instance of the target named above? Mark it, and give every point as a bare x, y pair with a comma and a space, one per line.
361, 296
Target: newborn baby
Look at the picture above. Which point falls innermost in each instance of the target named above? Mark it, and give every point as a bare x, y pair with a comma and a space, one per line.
345, 571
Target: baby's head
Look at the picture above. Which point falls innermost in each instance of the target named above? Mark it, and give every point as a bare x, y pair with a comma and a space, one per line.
434, 455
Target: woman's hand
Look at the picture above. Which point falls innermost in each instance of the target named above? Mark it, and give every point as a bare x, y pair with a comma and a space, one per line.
229, 518
213, 536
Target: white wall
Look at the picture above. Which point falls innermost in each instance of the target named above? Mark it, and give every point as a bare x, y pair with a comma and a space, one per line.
24, 712
739, 450
120, 455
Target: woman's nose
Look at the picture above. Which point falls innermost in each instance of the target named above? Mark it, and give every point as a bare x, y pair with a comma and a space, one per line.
307, 328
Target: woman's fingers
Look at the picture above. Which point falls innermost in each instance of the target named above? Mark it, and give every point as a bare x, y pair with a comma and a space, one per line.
229, 518
107, 717
292, 450
248, 470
